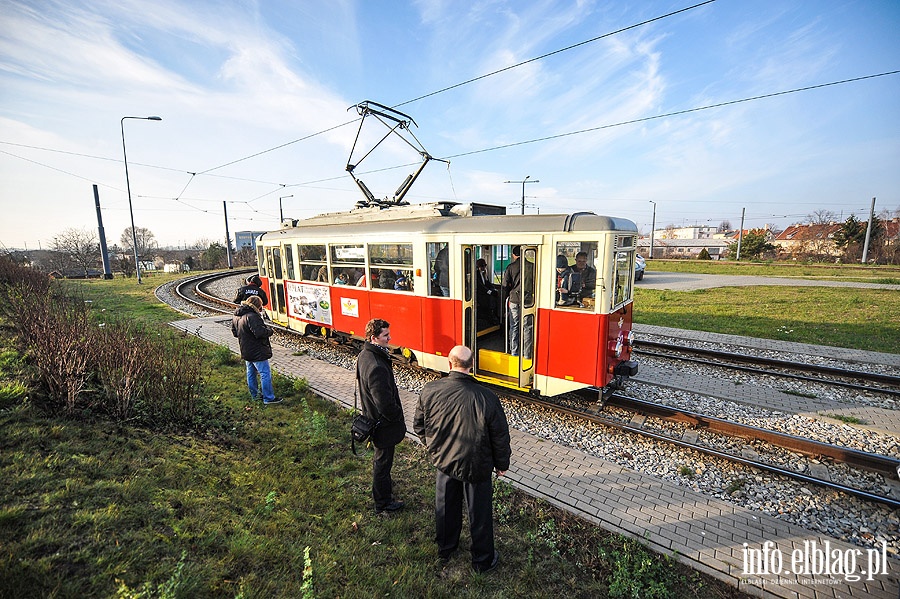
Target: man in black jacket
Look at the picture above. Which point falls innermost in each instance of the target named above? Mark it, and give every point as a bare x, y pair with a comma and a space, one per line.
253, 337
252, 288
380, 401
465, 430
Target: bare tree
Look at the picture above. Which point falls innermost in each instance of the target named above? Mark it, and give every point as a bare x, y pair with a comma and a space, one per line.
724, 226
146, 240
79, 247
822, 217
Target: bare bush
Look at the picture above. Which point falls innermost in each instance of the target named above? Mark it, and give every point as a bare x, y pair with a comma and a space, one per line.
60, 341
177, 379
123, 368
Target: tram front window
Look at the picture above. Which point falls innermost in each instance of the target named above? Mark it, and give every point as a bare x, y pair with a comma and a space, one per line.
575, 273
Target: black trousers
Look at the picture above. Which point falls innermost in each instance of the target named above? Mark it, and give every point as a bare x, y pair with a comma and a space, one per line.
449, 495
382, 486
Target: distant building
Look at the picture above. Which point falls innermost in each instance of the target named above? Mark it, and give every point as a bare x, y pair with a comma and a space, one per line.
683, 248
809, 240
695, 232
244, 239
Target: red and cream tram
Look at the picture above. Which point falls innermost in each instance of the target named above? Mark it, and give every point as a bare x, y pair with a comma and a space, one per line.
435, 271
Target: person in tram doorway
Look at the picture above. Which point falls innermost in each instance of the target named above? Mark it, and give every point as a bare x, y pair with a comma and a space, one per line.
256, 349
252, 288
380, 401
465, 430
512, 286
442, 271
485, 294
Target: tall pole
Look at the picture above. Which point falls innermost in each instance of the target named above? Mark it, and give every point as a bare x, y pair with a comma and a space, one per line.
741, 234
868, 232
280, 211
104, 254
227, 235
523, 182
137, 264
652, 228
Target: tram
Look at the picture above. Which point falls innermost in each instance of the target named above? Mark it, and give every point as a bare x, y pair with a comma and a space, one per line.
435, 272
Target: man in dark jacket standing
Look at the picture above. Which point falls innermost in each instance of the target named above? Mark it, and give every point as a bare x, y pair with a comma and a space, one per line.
252, 288
380, 401
465, 430
253, 337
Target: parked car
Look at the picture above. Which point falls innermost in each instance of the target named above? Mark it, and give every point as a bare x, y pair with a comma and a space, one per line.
639, 264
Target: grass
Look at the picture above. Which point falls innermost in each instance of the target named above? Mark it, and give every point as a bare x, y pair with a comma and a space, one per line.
887, 274
837, 316
264, 502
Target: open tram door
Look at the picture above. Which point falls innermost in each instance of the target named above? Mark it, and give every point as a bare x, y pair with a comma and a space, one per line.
276, 283
486, 323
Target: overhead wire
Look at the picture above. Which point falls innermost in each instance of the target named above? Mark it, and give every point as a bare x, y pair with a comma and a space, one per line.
671, 114
480, 77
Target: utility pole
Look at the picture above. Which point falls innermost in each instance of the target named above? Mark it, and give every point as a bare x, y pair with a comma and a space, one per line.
741, 235
868, 232
227, 235
104, 254
652, 229
523, 182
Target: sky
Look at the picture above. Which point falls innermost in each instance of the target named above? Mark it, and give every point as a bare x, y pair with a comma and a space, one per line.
618, 108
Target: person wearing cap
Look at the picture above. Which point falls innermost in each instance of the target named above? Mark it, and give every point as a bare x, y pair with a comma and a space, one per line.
256, 349
252, 288
564, 282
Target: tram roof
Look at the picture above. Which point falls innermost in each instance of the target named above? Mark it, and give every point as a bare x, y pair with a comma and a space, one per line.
441, 222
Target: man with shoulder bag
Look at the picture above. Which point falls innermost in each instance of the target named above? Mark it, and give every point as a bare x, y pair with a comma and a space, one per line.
380, 401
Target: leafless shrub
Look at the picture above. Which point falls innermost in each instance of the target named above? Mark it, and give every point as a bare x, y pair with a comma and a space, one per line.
117, 367
60, 341
177, 379
123, 369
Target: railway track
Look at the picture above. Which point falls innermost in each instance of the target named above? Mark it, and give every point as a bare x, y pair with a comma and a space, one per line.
887, 467
868, 382
639, 413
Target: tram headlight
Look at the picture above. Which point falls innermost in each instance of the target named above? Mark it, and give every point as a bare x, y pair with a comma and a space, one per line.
619, 347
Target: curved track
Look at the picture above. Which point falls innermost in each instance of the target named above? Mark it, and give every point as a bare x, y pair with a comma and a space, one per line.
190, 290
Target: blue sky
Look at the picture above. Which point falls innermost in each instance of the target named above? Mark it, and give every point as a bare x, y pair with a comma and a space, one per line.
237, 84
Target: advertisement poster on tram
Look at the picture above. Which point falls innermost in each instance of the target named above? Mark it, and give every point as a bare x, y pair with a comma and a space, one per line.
308, 302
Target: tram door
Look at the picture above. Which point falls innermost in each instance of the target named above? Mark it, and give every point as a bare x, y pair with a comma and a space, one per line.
276, 281
527, 314
469, 303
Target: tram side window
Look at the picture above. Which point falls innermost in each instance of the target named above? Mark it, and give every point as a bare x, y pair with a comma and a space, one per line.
349, 261
275, 262
575, 273
289, 259
390, 266
261, 261
439, 268
312, 262
622, 273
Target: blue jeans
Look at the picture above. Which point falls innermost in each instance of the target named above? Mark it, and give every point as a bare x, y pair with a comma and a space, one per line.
265, 377
515, 312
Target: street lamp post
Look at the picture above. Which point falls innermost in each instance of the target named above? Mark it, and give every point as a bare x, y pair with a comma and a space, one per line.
137, 265
280, 211
652, 229
523, 182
